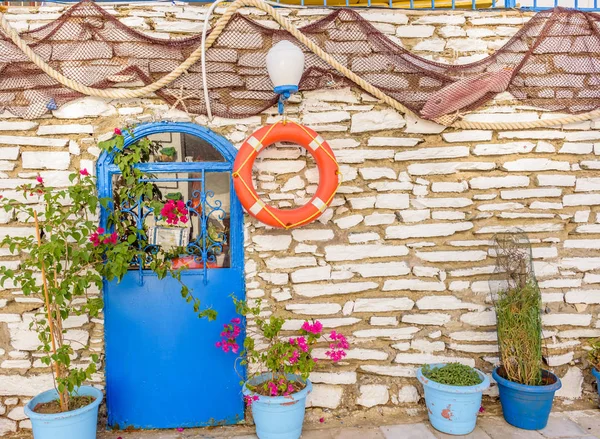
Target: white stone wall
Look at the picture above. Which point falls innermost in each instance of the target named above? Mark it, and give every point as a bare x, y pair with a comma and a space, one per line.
400, 261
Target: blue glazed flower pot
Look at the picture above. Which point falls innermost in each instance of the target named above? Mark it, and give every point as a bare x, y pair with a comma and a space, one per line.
278, 417
453, 409
76, 424
597, 375
527, 407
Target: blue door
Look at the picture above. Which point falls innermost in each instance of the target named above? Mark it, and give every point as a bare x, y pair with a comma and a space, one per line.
162, 367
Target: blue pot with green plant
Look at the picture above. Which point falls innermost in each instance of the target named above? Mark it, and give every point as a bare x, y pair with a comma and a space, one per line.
527, 406
277, 416
526, 389
277, 395
453, 395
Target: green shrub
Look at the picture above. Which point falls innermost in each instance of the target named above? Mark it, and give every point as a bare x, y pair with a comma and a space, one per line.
452, 374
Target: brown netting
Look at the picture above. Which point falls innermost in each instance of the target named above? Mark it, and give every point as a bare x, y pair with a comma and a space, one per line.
553, 63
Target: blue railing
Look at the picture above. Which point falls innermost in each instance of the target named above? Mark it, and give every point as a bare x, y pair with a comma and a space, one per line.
540, 5
530, 5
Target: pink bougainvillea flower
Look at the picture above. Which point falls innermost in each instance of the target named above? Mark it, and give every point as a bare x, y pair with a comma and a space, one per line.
315, 328
302, 344
294, 358
118, 132
179, 429
112, 239
337, 347
95, 239
174, 212
39, 179
272, 388
481, 409
321, 420
229, 335
249, 399
98, 237
84, 172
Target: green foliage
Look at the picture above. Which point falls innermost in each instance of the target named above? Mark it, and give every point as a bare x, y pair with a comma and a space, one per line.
175, 196
169, 151
518, 312
452, 374
594, 354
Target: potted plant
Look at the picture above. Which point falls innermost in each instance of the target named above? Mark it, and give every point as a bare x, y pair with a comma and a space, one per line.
594, 359
453, 396
66, 260
526, 389
278, 384
168, 154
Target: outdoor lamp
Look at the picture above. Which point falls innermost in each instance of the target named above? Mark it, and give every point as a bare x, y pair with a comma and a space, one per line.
285, 64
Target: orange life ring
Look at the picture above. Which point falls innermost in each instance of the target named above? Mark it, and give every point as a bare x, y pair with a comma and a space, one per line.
285, 132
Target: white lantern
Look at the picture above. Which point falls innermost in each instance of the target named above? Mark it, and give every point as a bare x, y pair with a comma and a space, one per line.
285, 64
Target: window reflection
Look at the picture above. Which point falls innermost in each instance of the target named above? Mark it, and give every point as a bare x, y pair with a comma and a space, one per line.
190, 212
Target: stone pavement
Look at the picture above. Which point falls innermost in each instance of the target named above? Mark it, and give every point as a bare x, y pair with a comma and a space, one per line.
583, 424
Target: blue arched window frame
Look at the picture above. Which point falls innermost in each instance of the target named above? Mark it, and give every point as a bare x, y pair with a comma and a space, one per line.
106, 169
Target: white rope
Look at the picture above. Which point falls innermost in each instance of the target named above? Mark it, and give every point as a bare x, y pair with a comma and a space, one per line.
203, 57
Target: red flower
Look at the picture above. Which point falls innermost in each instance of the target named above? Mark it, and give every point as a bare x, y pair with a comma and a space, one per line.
118, 132
179, 429
84, 172
40, 180
321, 420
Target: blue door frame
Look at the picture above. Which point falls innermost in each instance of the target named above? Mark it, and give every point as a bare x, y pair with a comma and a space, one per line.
162, 367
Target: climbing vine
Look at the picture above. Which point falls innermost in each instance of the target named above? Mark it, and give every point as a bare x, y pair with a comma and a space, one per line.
133, 186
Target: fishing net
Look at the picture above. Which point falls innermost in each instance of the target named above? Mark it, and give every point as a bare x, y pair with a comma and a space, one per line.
552, 62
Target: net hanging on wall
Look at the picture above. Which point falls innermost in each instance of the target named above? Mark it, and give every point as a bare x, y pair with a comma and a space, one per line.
552, 62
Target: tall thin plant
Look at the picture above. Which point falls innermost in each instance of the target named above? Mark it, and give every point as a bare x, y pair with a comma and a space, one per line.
518, 310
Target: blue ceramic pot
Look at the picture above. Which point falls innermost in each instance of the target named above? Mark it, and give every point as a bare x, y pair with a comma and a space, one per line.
453, 409
76, 424
278, 417
527, 407
597, 375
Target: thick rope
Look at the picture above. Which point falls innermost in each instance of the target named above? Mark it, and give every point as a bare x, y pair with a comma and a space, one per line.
113, 93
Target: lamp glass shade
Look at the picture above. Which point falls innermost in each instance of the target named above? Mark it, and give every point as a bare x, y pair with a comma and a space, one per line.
285, 64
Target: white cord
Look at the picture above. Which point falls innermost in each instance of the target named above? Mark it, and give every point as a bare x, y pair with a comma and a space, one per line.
209, 12
203, 57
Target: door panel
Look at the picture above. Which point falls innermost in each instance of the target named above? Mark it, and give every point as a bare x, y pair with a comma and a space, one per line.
162, 367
